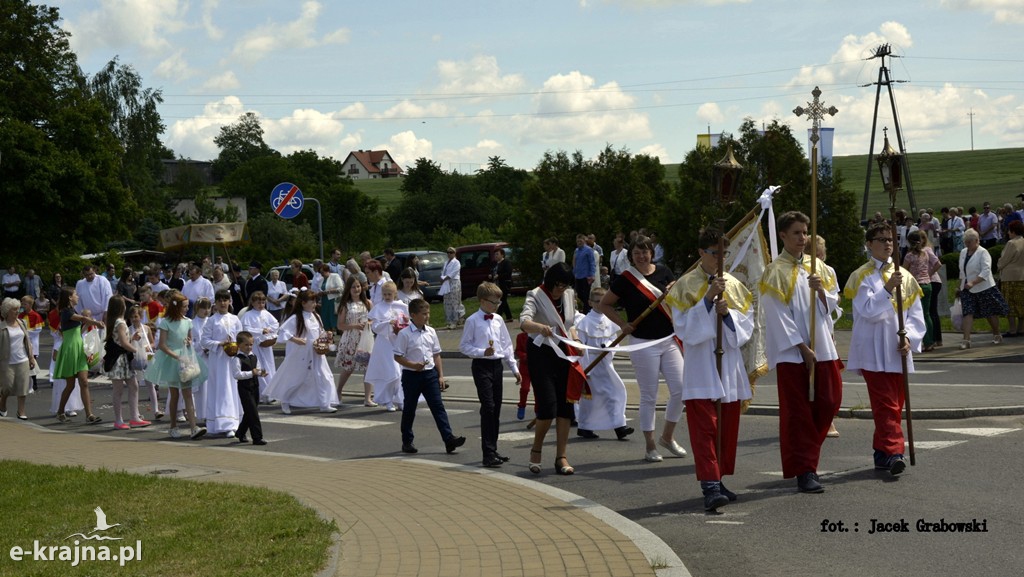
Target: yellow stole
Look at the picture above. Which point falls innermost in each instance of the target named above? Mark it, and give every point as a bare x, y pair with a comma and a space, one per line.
911, 290
779, 278
691, 288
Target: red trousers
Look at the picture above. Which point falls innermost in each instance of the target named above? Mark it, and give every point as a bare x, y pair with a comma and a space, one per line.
886, 393
803, 424
702, 421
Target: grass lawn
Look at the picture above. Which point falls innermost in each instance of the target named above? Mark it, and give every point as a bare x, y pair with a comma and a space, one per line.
387, 191
186, 527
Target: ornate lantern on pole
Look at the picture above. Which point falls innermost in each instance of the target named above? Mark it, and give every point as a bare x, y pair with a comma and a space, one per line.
725, 183
890, 165
726, 178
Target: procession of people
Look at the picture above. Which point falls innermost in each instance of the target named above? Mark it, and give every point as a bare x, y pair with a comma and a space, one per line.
216, 359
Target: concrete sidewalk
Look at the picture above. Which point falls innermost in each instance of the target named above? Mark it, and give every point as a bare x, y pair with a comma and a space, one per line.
438, 520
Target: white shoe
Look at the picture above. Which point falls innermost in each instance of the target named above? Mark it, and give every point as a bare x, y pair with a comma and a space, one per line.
391, 408
182, 419
673, 447
652, 456
328, 410
230, 434
175, 433
72, 413
286, 409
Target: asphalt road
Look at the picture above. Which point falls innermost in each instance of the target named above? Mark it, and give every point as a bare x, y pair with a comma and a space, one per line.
966, 469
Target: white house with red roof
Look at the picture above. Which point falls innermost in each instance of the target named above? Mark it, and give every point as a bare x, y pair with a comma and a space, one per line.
361, 164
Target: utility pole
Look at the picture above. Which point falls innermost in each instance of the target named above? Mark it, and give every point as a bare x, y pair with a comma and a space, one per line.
885, 80
971, 114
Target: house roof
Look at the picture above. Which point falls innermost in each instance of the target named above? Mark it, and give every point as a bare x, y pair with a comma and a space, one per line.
371, 159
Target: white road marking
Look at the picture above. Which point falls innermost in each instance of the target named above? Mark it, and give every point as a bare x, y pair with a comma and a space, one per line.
329, 422
978, 431
725, 522
935, 444
516, 436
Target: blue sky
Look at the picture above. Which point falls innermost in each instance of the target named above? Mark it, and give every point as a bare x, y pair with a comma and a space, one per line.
461, 81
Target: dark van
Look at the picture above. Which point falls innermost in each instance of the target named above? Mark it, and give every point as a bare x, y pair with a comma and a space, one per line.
477, 262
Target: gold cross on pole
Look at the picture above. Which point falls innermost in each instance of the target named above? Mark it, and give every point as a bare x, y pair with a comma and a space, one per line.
816, 111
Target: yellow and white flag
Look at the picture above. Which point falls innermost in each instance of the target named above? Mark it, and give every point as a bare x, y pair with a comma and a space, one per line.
746, 260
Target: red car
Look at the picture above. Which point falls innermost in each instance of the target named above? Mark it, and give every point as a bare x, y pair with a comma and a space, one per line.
477, 263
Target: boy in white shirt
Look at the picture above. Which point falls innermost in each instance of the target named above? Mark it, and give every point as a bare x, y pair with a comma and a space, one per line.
418, 351
485, 339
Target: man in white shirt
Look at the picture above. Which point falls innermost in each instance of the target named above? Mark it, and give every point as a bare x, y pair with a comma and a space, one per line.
619, 258
154, 282
196, 287
12, 283
94, 293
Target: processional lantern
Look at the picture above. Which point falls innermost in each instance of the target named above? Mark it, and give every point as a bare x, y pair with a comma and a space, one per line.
890, 165
725, 181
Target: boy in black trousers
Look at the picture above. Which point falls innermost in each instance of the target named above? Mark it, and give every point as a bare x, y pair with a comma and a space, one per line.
245, 371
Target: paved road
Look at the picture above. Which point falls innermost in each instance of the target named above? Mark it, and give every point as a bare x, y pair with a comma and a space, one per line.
966, 469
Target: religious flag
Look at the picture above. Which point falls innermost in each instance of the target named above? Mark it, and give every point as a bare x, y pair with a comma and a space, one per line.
746, 260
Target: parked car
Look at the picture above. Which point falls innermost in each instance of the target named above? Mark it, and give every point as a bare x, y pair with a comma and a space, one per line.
431, 264
478, 261
286, 273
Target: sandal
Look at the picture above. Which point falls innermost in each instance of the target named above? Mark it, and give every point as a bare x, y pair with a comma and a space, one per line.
535, 467
564, 470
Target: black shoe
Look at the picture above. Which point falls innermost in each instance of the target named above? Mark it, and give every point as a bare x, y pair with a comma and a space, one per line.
729, 494
586, 434
623, 432
493, 462
409, 448
808, 483
258, 442
713, 497
503, 458
881, 461
454, 443
897, 464
241, 438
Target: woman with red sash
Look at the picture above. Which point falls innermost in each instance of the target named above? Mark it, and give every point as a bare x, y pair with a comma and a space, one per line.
549, 310
635, 290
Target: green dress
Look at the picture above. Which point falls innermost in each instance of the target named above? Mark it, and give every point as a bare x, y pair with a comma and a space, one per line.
164, 368
71, 358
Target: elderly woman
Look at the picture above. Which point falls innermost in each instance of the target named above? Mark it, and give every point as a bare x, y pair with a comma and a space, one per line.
451, 289
550, 310
16, 358
978, 294
277, 294
328, 287
635, 290
1011, 277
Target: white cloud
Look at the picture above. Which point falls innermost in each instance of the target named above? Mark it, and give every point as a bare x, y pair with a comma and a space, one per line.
405, 148
571, 109
304, 129
212, 31
119, 24
658, 151
193, 137
847, 63
413, 111
480, 75
174, 67
710, 113
221, 83
1003, 11
299, 33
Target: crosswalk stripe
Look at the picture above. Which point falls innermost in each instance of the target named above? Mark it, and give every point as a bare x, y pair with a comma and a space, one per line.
978, 431
329, 422
936, 444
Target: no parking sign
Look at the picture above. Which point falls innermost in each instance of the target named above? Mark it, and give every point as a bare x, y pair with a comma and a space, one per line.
286, 200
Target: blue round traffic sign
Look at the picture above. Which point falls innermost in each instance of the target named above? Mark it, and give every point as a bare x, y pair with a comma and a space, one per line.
286, 200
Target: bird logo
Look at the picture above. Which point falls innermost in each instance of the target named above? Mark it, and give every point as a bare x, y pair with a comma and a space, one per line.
101, 525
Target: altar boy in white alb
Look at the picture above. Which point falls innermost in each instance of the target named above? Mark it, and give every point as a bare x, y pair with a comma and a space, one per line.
223, 406
698, 300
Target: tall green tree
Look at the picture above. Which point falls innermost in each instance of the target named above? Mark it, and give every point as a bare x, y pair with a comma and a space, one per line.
59, 159
239, 143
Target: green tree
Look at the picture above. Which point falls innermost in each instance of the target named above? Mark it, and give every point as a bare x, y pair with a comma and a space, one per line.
59, 160
136, 123
239, 143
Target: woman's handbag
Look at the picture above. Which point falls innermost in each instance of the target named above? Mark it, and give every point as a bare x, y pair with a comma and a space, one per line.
188, 365
111, 352
365, 346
